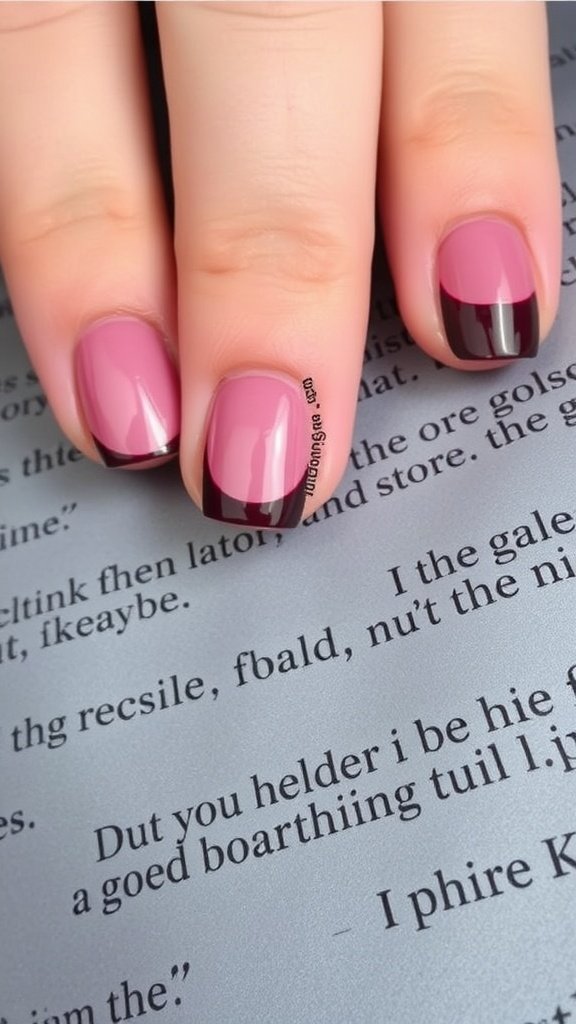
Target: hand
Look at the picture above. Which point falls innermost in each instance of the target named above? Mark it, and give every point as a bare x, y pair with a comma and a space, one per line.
278, 112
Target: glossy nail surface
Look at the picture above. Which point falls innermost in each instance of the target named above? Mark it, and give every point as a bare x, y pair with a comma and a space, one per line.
256, 455
487, 293
129, 391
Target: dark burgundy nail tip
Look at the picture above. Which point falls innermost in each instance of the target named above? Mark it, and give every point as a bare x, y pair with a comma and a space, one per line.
283, 513
117, 460
500, 330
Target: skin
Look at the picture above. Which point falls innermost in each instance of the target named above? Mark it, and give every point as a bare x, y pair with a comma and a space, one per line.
286, 120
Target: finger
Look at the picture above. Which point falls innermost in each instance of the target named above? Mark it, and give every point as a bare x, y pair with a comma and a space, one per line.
469, 188
274, 120
83, 239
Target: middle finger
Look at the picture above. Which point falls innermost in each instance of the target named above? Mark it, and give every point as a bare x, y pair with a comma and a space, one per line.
274, 120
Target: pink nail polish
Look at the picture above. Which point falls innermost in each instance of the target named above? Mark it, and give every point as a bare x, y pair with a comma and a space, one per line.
487, 292
129, 391
256, 456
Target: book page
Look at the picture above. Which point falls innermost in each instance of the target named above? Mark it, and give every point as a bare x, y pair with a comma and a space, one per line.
316, 776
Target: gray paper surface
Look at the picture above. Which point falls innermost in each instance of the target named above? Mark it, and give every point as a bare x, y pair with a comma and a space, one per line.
267, 698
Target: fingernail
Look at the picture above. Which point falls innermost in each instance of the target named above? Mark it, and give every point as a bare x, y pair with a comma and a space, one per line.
256, 456
487, 291
129, 391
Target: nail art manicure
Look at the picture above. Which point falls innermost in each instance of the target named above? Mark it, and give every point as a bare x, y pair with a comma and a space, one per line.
129, 391
487, 291
256, 456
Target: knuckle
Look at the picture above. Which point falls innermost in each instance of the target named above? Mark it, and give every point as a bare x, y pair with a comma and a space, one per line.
272, 11
16, 17
293, 252
464, 105
101, 205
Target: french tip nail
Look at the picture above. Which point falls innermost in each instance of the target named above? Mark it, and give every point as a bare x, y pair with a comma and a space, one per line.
256, 454
284, 513
487, 293
128, 390
118, 460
